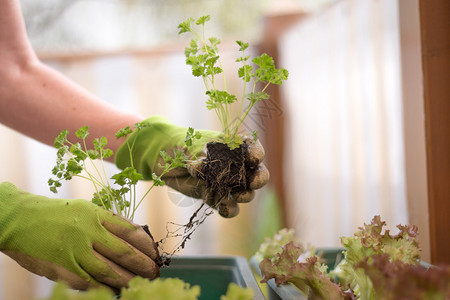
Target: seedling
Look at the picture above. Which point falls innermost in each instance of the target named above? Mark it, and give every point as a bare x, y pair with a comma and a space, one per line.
119, 193
202, 55
120, 196
226, 168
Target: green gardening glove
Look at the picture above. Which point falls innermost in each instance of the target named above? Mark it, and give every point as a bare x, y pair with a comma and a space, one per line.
162, 135
73, 240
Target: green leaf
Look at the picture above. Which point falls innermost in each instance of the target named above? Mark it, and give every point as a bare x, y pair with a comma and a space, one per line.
266, 71
242, 58
61, 139
189, 135
211, 61
82, 133
79, 154
74, 167
127, 176
202, 20
278, 76
193, 49
124, 132
185, 26
256, 97
165, 156
107, 153
273, 245
234, 142
179, 159
309, 276
100, 143
368, 241
103, 198
214, 42
157, 181
62, 292
141, 125
245, 72
62, 150
236, 292
242, 46
93, 154
223, 97
161, 288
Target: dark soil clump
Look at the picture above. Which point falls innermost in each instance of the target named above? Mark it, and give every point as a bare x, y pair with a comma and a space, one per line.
226, 170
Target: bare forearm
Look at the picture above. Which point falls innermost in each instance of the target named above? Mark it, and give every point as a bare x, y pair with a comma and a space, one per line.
39, 102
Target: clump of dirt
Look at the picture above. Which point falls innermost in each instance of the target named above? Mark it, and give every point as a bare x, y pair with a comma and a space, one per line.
225, 170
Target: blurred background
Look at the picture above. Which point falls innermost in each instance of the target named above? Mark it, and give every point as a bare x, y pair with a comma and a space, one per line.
334, 132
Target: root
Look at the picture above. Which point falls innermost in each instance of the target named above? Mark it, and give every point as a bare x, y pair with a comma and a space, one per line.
183, 231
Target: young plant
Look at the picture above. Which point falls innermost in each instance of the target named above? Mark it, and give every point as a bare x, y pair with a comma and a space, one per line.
203, 56
119, 192
377, 265
121, 196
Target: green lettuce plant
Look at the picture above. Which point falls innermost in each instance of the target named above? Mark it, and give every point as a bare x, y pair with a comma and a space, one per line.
377, 265
143, 289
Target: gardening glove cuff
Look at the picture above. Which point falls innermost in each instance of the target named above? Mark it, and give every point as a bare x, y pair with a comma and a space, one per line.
73, 240
147, 143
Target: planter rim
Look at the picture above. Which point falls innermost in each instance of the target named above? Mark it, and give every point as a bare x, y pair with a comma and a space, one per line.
239, 265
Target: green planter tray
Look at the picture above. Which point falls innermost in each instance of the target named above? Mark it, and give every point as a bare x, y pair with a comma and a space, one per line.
213, 274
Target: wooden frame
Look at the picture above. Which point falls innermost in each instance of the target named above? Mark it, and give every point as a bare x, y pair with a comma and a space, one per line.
435, 42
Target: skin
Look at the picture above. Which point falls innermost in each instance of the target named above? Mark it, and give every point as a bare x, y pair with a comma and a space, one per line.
40, 102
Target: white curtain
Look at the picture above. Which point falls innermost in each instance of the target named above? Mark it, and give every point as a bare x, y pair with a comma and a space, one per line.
344, 153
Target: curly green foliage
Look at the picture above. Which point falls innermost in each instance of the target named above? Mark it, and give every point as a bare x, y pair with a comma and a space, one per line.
117, 193
368, 241
62, 292
309, 277
273, 245
202, 55
236, 292
143, 289
160, 289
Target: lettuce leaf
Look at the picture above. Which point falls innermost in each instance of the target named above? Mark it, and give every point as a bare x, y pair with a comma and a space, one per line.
399, 280
309, 277
236, 292
61, 291
161, 288
271, 246
368, 241
144, 289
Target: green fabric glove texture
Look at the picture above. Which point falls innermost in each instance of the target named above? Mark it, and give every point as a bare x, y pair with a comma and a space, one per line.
70, 240
160, 135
